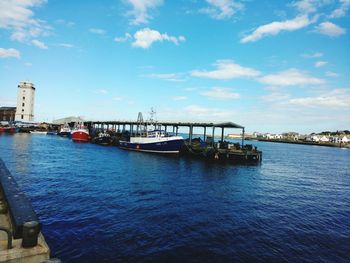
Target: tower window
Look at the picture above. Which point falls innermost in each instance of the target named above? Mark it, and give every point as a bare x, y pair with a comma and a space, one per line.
22, 117
23, 104
24, 98
22, 110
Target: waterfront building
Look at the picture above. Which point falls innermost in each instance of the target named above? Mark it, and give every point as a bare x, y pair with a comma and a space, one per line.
7, 113
324, 139
344, 139
293, 136
25, 102
313, 138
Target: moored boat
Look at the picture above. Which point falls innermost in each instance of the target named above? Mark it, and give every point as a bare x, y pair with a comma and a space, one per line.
39, 132
80, 133
9, 129
103, 138
153, 141
65, 131
156, 141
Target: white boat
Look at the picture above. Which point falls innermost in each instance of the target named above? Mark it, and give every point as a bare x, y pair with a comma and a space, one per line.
39, 132
153, 141
65, 131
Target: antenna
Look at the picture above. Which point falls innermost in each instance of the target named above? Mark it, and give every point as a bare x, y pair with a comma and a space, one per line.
152, 114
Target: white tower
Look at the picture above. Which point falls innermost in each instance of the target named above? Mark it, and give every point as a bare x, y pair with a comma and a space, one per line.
25, 102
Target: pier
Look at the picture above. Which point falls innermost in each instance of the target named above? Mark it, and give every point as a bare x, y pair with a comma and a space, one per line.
121, 126
205, 148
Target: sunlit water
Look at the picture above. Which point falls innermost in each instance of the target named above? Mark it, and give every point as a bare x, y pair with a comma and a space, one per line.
103, 204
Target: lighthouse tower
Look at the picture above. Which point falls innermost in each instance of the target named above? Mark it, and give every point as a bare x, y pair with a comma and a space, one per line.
25, 102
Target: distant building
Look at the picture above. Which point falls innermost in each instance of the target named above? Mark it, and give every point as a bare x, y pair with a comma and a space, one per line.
324, 139
25, 102
313, 138
294, 136
344, 139
7, 113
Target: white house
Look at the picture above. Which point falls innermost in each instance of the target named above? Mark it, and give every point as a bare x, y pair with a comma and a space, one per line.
345, 139
324, 139
278, 136
313, 138
25, 102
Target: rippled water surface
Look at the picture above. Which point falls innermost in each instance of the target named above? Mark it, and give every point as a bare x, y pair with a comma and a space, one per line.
103, 204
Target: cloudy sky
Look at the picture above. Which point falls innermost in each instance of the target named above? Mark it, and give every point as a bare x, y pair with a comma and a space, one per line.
272, 66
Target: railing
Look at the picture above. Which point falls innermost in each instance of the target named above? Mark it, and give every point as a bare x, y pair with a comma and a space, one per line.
9, 236
24, 221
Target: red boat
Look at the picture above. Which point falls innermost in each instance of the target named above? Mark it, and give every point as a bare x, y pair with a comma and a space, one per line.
8, 129
80, 133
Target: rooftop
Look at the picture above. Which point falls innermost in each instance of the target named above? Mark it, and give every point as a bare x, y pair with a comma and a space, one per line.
7, 108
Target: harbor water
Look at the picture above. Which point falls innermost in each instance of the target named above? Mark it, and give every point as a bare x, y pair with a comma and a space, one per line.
104, 204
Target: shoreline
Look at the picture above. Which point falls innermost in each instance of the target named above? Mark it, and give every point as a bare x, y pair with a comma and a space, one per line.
337, 145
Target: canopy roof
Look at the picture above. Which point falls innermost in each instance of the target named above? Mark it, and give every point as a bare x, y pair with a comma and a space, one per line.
228, 125
68, 120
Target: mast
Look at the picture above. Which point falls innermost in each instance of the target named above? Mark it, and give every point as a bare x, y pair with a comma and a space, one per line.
140, 123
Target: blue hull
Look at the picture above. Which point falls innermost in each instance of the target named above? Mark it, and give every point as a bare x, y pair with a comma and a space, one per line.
64, 134
172, 146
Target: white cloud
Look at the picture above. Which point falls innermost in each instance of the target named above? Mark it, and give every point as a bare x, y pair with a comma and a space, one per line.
177, 98
319, 64
190, 89
101, 91
226, 69
222, 9
125, 38
18, 17
65, 45
167, 76
117, 98
97, 31
19, 36
196, 112
330, 29
338, 98
313, 55
140, 10
221, 94
305, 6
64, 22
311, 6
341, 10
144, 38
290, 77
28, 64
39, 44
275, 96
275, 28
10, 52
332, 74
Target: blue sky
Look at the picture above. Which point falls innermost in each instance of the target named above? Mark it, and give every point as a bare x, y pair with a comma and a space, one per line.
272, 66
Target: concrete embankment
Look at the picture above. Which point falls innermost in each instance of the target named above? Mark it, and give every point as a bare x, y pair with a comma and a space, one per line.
20, 236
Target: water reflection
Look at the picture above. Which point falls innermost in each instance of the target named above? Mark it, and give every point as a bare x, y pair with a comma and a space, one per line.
21, 149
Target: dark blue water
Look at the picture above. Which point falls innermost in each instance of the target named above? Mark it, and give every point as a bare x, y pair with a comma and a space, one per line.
103, 204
